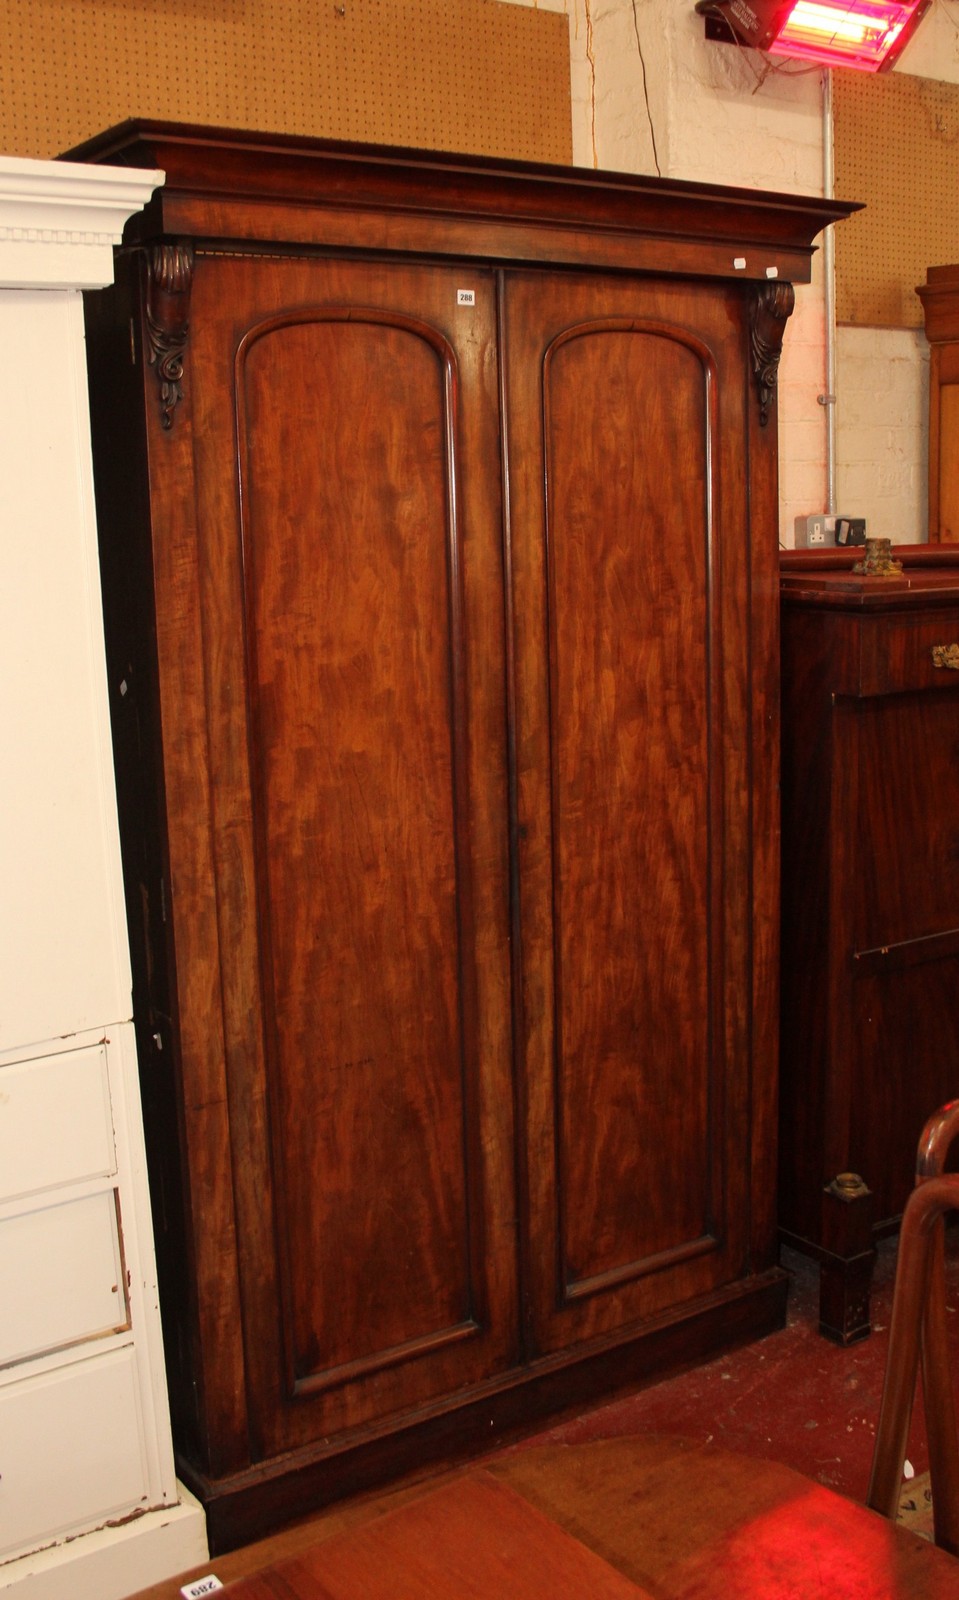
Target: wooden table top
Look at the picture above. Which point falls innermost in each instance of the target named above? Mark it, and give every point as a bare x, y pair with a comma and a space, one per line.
615, 1519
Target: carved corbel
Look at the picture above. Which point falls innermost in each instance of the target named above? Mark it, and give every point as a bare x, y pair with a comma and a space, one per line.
771, 310
169, 282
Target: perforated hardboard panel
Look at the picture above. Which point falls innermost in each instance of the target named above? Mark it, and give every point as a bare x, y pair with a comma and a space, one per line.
470, 75
897, 149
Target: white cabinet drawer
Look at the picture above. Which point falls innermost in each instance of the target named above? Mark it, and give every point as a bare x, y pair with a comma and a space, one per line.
55, 1122
71, 1451
61, 1277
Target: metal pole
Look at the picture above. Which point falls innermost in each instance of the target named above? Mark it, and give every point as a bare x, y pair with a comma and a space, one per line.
828, 400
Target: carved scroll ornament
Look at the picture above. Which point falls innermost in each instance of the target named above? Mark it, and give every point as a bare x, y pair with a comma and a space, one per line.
169, 282
771, 310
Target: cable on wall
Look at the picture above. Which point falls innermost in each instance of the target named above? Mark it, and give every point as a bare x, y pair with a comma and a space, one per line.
591, 58
649, 114
771, 66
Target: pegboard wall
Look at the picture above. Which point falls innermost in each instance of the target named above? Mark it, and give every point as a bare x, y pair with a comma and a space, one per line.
896, 149
468, 75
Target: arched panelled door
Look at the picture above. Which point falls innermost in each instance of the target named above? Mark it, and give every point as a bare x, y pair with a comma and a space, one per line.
628, 589
362, 888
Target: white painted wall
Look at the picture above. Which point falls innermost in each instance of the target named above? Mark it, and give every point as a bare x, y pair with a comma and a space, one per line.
883, 385
882, 455
707, 113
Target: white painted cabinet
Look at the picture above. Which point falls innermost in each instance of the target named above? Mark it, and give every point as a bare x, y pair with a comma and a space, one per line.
84, 1423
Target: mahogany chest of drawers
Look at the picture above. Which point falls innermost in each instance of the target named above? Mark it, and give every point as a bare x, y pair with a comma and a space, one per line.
870, 932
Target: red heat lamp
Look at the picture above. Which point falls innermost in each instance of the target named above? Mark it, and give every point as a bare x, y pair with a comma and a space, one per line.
867, 35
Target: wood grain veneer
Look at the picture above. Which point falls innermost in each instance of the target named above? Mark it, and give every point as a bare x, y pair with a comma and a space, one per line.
439, 505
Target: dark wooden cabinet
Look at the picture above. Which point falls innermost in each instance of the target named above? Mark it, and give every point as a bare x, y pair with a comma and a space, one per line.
870, 988
438, 507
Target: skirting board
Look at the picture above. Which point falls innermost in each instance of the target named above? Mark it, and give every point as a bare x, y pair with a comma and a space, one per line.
112, 1563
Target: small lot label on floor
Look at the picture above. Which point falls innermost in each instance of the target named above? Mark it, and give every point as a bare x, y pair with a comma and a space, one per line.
200, 1587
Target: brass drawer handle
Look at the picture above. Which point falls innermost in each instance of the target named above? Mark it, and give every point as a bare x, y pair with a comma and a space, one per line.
946, 655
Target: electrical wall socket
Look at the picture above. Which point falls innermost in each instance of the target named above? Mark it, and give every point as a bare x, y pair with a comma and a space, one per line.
823, 529
815, 532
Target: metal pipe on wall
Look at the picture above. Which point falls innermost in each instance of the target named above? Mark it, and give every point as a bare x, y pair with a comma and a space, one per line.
828, 400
